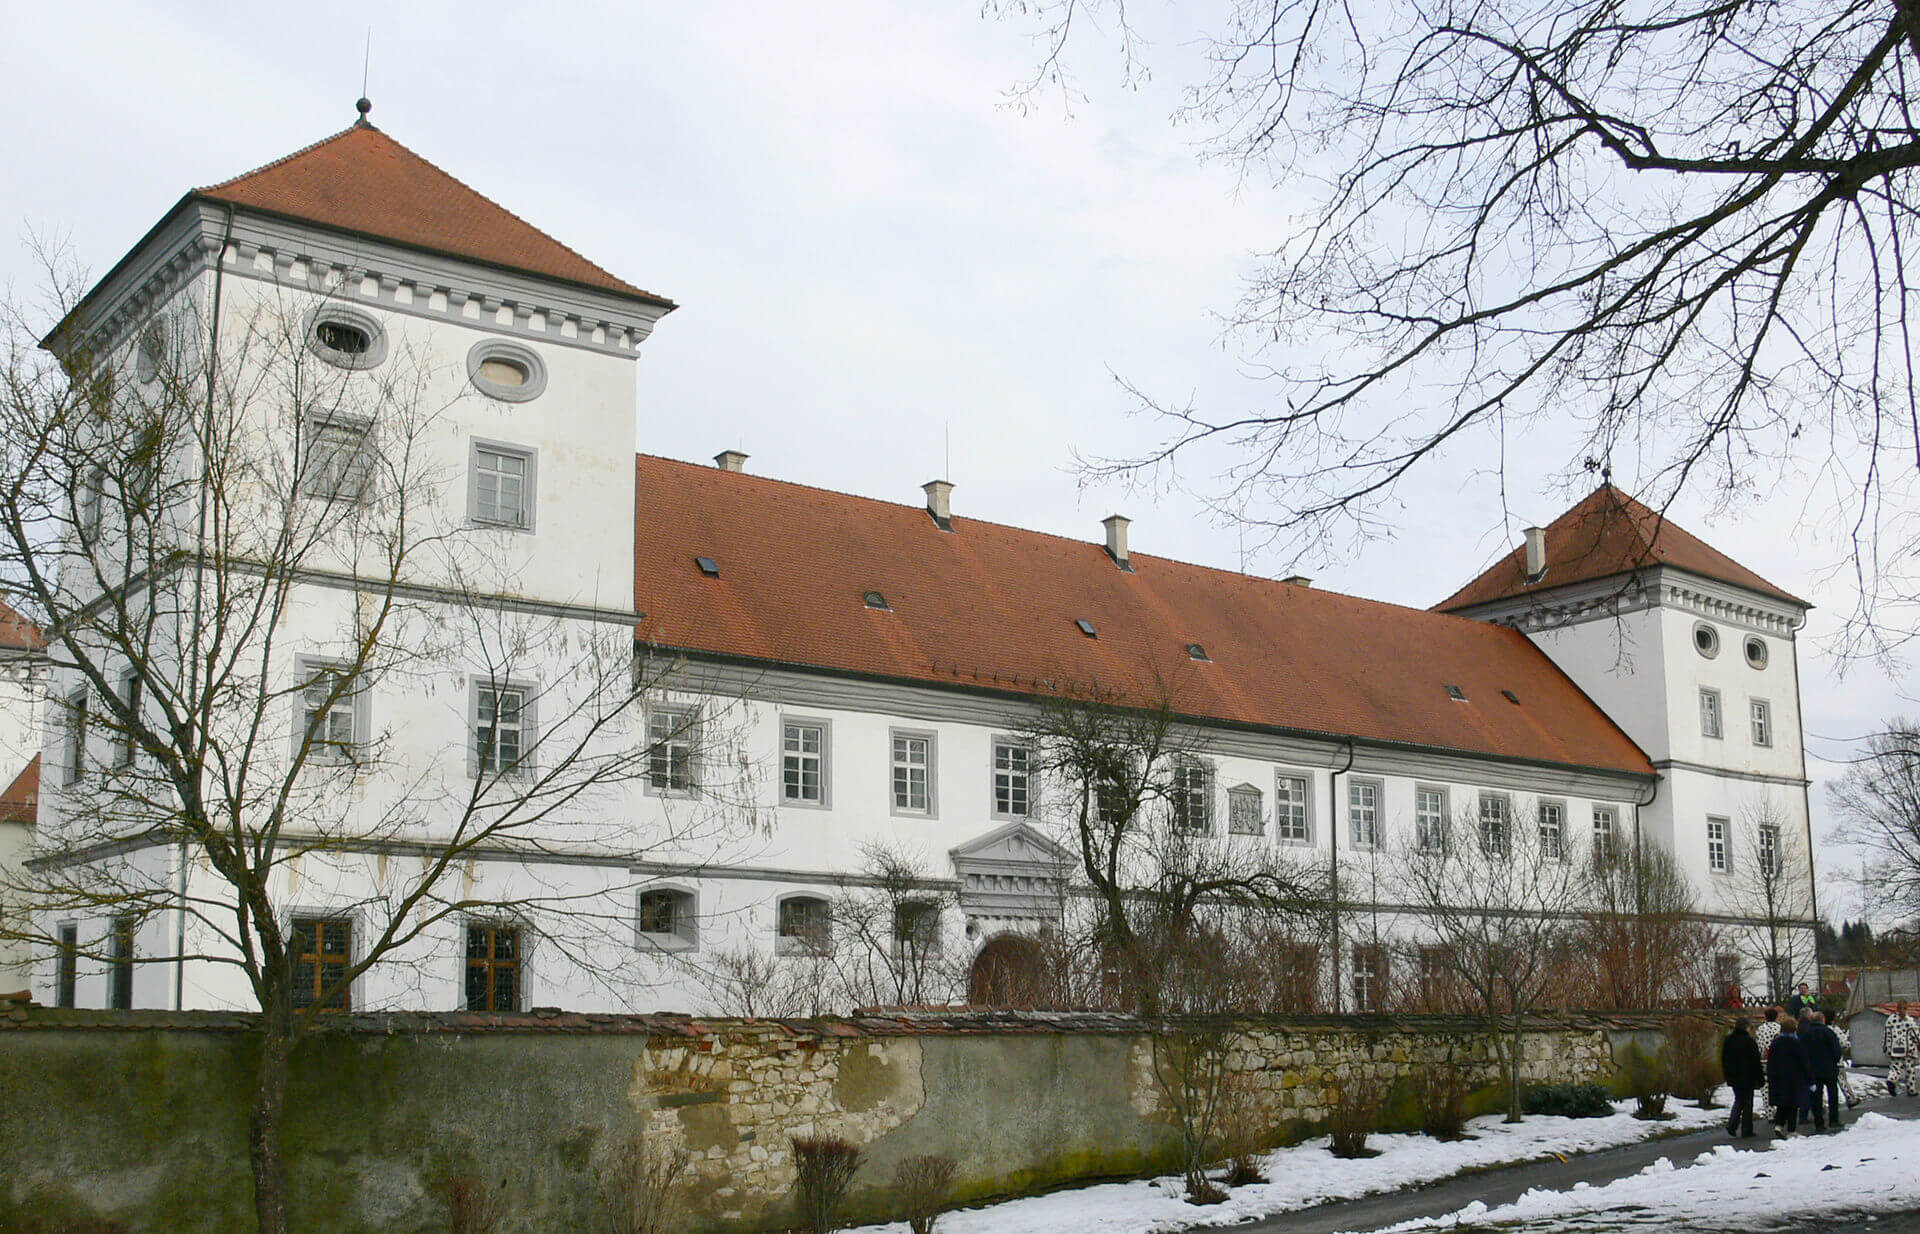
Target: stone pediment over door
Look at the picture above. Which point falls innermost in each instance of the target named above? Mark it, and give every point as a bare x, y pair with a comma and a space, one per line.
1011, 878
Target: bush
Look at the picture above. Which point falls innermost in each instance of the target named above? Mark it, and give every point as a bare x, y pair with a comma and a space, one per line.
924, 1184
1569, 1100
473, 1207
1696, 1063
824, 1167
1442, 1091
1241, 1137
1649, 1080
1355, 1115
637, 1188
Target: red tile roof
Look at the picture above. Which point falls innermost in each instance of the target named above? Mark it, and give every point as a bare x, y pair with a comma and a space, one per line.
993, 608
360, 180
20, 803
17, 633
1608, 534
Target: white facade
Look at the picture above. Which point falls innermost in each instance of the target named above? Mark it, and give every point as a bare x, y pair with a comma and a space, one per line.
792, 776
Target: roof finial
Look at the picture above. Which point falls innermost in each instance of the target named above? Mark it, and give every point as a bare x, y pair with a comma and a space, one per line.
363, 104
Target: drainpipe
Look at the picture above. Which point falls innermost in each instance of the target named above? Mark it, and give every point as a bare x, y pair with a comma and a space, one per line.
1806, 806
199, 560
1333, 870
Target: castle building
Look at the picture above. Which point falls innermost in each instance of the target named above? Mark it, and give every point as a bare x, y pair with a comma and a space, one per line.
845, 673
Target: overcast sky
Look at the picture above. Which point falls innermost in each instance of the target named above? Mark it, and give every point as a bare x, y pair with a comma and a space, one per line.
878, 260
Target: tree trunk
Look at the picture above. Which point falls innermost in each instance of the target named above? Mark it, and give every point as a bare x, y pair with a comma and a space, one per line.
263, 1131
1514, 1048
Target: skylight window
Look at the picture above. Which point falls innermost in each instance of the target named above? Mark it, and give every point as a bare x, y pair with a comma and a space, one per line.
1511, 697
1086, 627
1455, 693
1197, 652
708, 566
875, 600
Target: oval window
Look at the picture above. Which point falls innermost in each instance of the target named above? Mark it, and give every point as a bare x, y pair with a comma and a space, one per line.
1706, 640
507, 371
1757, 652
346, 337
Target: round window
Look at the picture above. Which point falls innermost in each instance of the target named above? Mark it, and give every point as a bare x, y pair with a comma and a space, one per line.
346, 337
507, 371
1706, 640
1756, 649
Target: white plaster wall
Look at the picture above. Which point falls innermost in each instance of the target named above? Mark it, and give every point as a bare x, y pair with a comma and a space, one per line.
1621, 663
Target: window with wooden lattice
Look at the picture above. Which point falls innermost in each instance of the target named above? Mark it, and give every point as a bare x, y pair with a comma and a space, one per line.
322, 953
493, 967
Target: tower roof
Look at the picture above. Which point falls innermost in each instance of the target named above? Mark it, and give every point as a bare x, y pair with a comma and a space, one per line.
1607, 534
20, 800
362, 181
17, 633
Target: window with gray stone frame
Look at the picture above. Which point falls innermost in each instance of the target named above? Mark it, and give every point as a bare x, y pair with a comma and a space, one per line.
337, 457
1292, 808
502, 717
913, 772
673, 749
803, 925
1012, 778
1711, 724
500, 484
1430, 822
805, 748
667, 920
1363, 812
1192, 796
1719, 845
332, 714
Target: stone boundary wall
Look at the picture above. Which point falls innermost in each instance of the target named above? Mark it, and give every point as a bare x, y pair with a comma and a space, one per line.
140, 1118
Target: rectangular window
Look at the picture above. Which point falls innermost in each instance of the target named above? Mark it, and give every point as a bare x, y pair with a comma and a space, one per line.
1243, 811
322, 953
803, 762
916, 927
1192, 797
328, 703
1710, 725
76, 717
1762, 716
1604, 837
912, 773
1290, 809
1719, 858
1112, 799
131, 697
1012, 780
673, 743
339, 458
120, 964
1770, 849
66, 966
493, 967
1493, 824
1369, 977
1553, 830
1437, 978
1430, 819
805, 926
93, 500
500, 728
1363, 811
501, 492
667, 918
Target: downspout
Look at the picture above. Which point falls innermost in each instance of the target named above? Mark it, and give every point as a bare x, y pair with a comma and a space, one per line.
1333, 869
199, 560
1640, 844
1806, 806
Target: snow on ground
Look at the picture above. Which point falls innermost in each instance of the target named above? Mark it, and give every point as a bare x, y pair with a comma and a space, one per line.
1309, 1174
1868, 1167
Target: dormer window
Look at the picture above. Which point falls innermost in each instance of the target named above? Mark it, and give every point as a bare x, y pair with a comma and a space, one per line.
874, 599
1196, 652
708, 566
1086, 627
1456, 694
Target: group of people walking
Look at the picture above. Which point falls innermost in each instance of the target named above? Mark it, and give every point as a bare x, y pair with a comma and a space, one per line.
1796, 1059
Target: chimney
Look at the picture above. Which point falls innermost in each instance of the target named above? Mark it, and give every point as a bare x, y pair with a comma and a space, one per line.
1536, 552
940, 503
730, 460
1298, 580
1116, 525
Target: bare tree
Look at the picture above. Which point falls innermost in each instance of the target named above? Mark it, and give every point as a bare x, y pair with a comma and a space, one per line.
234, 545
889, 934
1677, 230
1644, 942
1130, 794
1769, 889
1489, 910
1878, 804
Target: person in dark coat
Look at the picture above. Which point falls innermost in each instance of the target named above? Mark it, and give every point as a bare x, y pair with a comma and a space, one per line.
1801, 1003
1740, 1064
1789, 1079
1823, 1059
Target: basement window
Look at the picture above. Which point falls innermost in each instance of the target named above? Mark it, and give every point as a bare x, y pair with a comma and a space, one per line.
1196, 652
874, 599
708, 566
1086, 627
1456, 694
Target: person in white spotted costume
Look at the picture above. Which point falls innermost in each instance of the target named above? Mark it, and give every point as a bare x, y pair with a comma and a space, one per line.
1903, 1051
1768, 1030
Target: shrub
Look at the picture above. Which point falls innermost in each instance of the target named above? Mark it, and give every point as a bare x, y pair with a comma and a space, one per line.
1355, 1115
473, 1207
637, 1188
1569, 1100
1241, 1137
824, 1167
1696, 1063
1442, 1092
924, 1184
1649, 1080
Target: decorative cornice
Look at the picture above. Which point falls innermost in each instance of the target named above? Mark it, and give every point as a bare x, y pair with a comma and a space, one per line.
1655, 587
